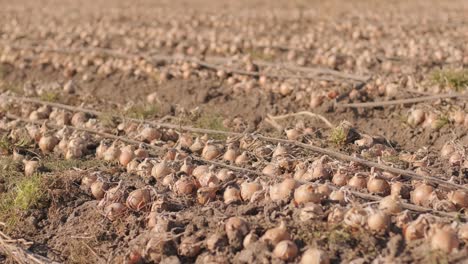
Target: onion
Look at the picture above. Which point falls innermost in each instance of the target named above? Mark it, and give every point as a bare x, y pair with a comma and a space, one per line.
283, 190
250, 239
132, 166
421, 194
114, 194
358, 182
400, 189
206, 194
355, 217
63, 145
248, 189
285, 89
79, 119
445, 240
208, 179
286, 250
270, 170
315, 256
416, 117
378, 222
170, 154
336, 215
89, 179
324, 189
390, 205
299, 170
144, 168
98, 189
275, 235
231, 195
225, 175
139, 199
197, 146
141, 153
152, 98
340, 179
459, 198
293, 134
377, 185
210, 152
185, 186
114, 210
201, 170
101, 149
149, 134
311, 211
337, 195
112, 153
236, 229
463, 233
230, 154
416, 229
316, 100
306, 193
126, 155
168, 180
160, 170
48, 143
73, 153
280, 150
30, 167
242, 159
17, 156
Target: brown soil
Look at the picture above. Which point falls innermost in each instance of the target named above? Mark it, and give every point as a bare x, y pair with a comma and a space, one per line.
72, 228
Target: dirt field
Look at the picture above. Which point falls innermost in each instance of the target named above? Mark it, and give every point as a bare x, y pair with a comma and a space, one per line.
233, 131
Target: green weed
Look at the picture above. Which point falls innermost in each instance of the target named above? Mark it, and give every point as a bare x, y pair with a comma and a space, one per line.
338, 136
455, 79
50, 96
142, 111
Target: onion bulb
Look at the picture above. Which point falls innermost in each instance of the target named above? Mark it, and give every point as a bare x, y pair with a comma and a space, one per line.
306, 193
114, 210
126, 155
185, 186
275, 235
283, 190
236, 229
358, 182
30, 167
210, 152
340, 179
139, 199
390, 205
378, 186
315, 256
98, 189
416, 117
445, 240
378, 222
248, 189
459, 198
231, 195
286, 250
421, 194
